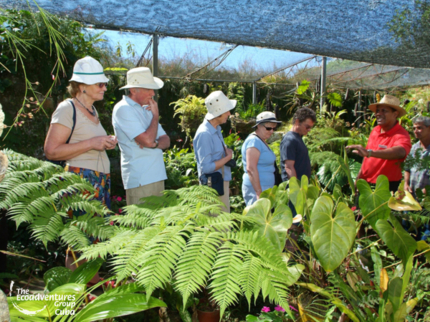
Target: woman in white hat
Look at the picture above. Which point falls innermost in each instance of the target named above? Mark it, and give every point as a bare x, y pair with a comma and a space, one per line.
209, 147
76, 134
258, 159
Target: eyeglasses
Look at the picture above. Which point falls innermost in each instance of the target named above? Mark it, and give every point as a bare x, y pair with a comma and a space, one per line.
270, 128
101, 85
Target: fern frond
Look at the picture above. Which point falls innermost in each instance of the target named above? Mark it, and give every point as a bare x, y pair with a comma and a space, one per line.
119, 240
273, 287
48, 227
80, 202
74, 237
195, 263
27, 210
127, 259
226, 275
160, 258
11, 194
94, 226
249, 277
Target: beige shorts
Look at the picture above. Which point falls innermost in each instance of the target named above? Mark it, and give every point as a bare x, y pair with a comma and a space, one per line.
134, 195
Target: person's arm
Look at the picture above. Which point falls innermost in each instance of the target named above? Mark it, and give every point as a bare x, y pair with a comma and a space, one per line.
252, 157
407, 182
164, 142
290, 169
57, 149
203, 148
394, 153
147, 138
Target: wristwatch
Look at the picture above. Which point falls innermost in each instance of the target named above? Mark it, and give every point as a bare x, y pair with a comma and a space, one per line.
369, 153
156, 144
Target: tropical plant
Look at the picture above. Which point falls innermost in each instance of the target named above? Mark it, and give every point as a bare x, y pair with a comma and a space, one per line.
191, 111
181, 168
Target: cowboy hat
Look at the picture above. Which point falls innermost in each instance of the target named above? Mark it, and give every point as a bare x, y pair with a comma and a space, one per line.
88, 71
217, 103
141, 77
390, 101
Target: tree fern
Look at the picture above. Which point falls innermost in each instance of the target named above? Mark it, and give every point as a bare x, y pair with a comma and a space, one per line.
249, 277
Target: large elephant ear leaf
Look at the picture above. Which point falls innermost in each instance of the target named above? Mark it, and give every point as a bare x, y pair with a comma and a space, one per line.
332, 236
374, 202
297, 194
396, 238
273, 227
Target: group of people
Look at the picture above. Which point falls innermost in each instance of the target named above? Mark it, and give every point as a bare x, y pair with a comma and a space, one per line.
77, 136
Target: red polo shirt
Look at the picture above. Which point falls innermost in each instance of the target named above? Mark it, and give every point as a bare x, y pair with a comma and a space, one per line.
374, 167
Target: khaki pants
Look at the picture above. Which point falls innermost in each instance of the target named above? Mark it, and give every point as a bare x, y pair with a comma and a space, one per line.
226, 197
135, 194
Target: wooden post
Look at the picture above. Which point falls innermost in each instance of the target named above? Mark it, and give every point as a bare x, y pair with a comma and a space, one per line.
323, 82
254, 93
155, 58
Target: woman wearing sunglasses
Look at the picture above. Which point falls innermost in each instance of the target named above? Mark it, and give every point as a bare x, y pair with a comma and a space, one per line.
76, 134
258, 159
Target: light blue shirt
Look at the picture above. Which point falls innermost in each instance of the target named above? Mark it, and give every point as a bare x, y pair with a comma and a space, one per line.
139, 167
208, 148
266, 162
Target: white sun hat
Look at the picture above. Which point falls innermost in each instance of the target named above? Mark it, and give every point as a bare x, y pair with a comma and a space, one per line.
217, 103
88, 71
266, 117
141, 77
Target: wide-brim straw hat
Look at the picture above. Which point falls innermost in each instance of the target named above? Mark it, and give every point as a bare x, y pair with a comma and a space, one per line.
88, 71
266, 117
391, 101
141, 77
217, 103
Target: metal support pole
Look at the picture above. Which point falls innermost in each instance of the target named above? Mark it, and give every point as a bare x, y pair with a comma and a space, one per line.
323, 82
254, 93
155, 58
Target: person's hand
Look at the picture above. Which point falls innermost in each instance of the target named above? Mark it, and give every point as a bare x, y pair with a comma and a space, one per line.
153, 107
358, 149
229, 153
102, 143
407, 187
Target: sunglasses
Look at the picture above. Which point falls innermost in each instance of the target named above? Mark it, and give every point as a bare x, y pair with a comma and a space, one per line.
270, 128
101, 85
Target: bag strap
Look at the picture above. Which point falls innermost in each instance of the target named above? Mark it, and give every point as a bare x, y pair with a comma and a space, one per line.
74, 121
276, 166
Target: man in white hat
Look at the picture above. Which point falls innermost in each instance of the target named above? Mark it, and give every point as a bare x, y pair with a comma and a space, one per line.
141, 138
209, 147
388, 144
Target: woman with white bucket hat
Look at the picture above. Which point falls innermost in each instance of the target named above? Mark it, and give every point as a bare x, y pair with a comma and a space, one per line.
212, 155
76, 134
258, 159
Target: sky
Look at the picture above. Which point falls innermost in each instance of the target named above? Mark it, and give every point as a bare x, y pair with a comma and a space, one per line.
169, 47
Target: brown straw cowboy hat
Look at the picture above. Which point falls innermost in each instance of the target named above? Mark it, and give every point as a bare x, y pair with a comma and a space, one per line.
391, 101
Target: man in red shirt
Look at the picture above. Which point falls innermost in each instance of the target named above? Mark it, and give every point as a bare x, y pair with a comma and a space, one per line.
388, 144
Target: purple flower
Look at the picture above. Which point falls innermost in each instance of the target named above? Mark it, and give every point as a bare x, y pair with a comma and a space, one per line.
265, 309
279, 308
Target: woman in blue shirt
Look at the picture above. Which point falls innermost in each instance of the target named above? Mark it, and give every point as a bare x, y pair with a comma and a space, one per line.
258, 159
209, 148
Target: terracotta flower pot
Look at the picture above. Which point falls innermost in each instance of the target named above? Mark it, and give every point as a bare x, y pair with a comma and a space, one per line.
204, 316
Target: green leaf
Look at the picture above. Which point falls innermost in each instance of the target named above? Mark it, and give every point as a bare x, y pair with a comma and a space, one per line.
344, 165
394, 292
407, 203
396, 238
303, 87
118, 305
85, 272
56, 277
374, 202
421, 246
332, 236
274, 227
297, 195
